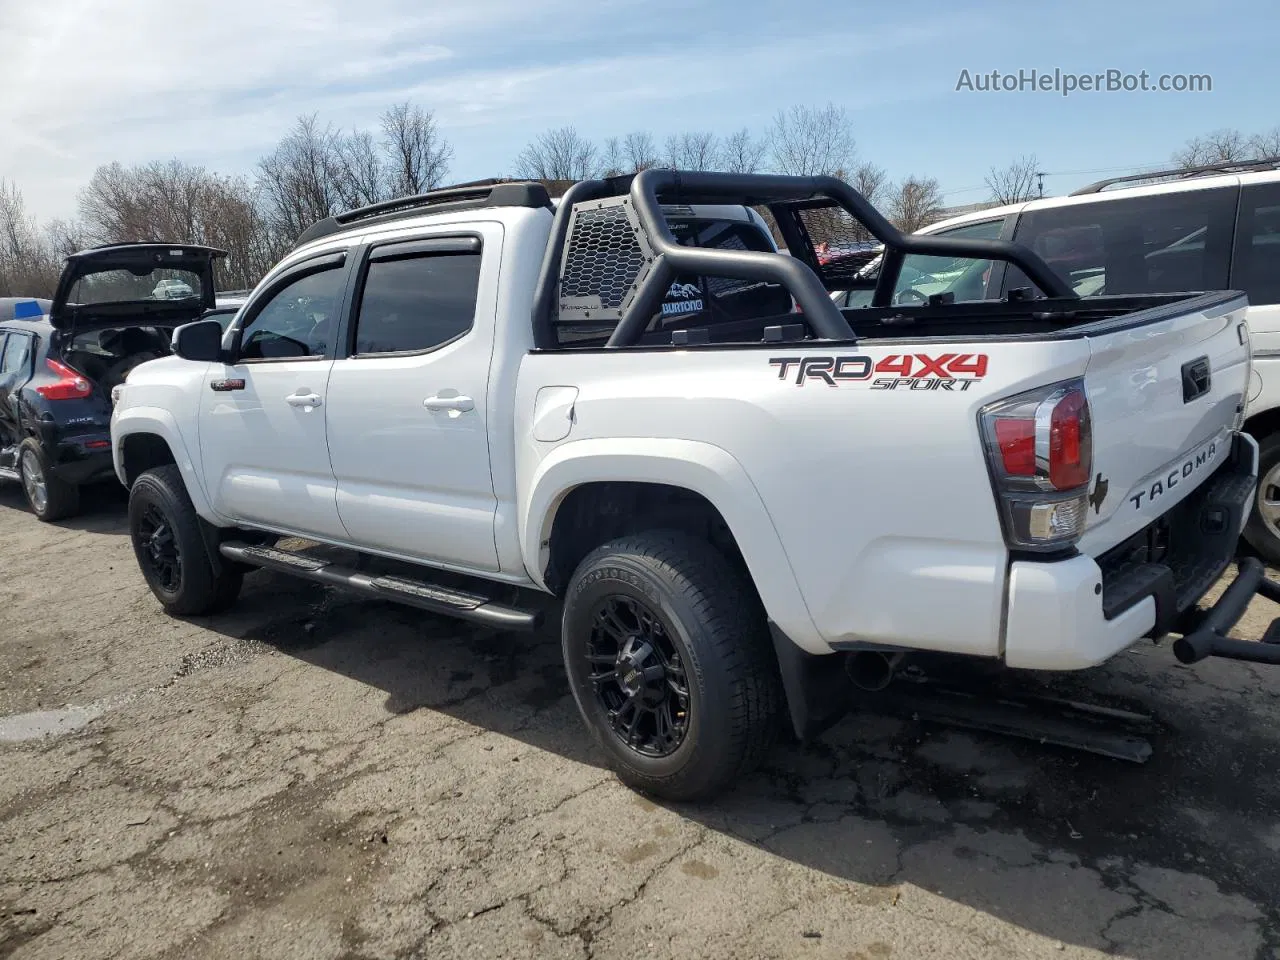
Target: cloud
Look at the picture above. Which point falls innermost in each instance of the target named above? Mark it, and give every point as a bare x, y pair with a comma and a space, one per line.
88, 82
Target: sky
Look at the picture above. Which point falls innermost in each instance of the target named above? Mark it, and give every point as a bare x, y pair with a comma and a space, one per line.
88, 82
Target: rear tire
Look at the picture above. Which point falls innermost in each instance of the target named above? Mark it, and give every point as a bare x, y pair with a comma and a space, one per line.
48, 497
1262, 530
670, 662
170, 548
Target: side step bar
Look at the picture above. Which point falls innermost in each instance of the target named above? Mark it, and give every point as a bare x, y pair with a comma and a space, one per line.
1209, 638
459, 604
8, 473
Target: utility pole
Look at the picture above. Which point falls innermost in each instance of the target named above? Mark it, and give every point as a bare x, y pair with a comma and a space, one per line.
1040, 175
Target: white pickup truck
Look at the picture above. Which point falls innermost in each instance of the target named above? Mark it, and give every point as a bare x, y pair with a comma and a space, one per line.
632, 403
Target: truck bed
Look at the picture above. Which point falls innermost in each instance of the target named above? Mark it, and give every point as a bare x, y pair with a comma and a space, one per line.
965, 322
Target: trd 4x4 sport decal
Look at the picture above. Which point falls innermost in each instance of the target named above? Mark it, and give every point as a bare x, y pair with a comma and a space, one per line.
911, 371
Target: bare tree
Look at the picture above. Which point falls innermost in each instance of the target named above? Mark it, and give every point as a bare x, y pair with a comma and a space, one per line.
693, 150
1265, 145
1014, 183
65, 237
233, 221
612, 163
812, 141
630, 154
741, 153
180, 203
361, 177
560, 154
870, 181
1220, 146
299, 179
639, 150
156, 201
418, 155
914, 203
28, 265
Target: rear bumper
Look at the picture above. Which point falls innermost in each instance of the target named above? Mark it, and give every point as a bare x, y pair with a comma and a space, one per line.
82, 461
1076, 613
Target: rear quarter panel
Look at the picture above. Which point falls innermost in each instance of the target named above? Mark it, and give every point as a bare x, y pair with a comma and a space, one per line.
877, 486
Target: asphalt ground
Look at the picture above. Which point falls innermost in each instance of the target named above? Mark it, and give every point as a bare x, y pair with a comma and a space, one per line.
314, 775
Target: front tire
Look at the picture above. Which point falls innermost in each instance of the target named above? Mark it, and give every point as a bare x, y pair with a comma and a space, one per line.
49, 497
1263, 527
170, 549
671, 665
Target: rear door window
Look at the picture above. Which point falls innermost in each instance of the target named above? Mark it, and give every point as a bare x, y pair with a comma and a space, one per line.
417, 303
1256, 268
1167, 243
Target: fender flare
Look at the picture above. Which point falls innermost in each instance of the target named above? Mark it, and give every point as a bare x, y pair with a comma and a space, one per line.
161, 423
700, 467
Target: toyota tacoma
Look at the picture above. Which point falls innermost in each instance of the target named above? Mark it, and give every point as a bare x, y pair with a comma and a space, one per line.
632, 404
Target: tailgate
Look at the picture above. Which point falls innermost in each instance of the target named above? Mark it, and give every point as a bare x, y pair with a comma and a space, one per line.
1166, 389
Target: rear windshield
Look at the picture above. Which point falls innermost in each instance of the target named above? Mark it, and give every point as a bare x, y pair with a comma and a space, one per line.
126, 286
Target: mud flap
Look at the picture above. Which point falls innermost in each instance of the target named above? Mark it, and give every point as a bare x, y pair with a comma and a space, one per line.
817, 690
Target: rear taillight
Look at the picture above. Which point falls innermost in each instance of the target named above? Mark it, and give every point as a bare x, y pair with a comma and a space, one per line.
70, 385
1040, 448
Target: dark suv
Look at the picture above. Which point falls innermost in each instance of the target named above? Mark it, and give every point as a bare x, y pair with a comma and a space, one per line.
60, 359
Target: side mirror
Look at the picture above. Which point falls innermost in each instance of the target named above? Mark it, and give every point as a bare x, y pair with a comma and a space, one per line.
201, 340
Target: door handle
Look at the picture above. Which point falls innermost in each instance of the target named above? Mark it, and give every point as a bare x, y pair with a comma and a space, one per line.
460, 404
303, 400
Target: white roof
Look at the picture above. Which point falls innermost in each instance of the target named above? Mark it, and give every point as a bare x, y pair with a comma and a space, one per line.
1144, 190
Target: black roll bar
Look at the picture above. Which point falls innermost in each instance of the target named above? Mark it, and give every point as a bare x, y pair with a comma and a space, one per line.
547, 290
649, 187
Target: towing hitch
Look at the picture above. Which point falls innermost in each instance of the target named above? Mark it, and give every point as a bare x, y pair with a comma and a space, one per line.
1209, 636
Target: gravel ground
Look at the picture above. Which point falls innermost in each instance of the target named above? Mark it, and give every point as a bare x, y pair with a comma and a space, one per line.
317, 776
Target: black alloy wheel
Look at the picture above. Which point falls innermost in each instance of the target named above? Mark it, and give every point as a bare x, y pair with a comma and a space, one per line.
638, 676
159, 550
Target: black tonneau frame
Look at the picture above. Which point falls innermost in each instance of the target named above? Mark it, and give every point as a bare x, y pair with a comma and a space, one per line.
648, 190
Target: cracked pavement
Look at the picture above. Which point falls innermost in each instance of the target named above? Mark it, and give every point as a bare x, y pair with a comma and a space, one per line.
316, 776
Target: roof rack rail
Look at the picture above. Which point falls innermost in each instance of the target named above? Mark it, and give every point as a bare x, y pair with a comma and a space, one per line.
1225, 166
474, 195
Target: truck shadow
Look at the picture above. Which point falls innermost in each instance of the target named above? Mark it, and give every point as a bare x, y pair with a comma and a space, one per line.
1077, 848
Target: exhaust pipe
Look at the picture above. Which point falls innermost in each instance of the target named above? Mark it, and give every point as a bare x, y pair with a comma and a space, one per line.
871, 670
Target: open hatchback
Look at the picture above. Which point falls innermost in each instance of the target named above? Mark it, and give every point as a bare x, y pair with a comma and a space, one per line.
154, 284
